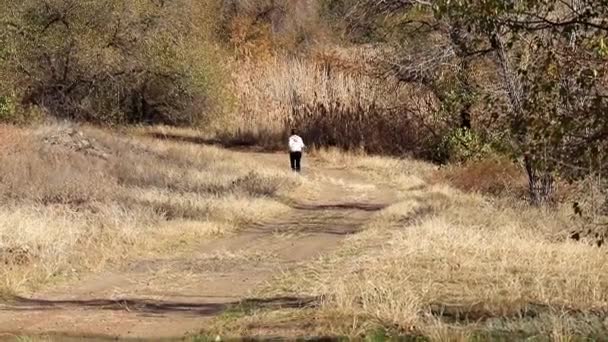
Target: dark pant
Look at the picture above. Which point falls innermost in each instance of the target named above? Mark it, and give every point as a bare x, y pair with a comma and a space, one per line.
295, 158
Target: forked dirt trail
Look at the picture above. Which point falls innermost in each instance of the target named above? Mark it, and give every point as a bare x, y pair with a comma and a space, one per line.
177, 296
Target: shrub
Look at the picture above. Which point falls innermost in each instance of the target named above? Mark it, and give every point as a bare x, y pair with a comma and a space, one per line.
494, 175
254, 184
100, 61
7, 108
12, 113
462, 145
257, 30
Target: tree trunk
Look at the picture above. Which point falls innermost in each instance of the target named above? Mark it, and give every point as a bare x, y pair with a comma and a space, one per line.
541, 184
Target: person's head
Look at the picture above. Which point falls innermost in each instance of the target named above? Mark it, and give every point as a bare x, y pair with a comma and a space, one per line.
293, 132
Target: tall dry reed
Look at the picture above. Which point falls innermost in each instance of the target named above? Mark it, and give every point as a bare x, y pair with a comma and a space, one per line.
332, 102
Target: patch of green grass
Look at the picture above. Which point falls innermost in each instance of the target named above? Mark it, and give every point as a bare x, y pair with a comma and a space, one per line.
204, 338
377, 335
238, 311
380, 334
228, 320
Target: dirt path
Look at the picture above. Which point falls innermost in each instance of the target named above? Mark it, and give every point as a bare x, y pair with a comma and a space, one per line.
173, 297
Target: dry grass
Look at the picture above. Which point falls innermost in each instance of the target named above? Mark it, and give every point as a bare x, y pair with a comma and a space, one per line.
399, 174
497, 176
452, 266
73, 200
439, 262
10, 137
329, 103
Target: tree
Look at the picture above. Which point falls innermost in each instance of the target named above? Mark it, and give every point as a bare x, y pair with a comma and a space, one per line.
109, 61
438, 56
549, 84
552, 60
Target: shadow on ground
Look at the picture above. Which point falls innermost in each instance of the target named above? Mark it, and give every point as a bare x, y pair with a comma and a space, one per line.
337, 219
371, 207
146, 306
159, 307
460, 314
231, 143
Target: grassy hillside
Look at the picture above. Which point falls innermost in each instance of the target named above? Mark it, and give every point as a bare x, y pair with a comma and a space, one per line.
76, 198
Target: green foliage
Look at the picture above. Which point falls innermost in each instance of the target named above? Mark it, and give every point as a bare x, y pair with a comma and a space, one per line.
7, 108
11, 113
377, 335
533, 72
462, 145
551, 60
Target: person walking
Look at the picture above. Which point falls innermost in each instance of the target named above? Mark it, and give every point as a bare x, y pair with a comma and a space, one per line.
296, 144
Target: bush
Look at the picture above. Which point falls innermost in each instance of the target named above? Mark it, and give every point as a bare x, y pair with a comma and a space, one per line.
493, 175
99, 61
462, 145
7, 108
361, 127
254, 184
259, 30
12, 113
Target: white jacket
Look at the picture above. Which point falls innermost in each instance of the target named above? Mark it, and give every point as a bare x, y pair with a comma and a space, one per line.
296, 144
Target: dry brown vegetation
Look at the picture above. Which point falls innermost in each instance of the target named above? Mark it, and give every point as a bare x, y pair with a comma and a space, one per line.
328, 105
410, 78
74, 199
461, 255
446, 265
439, 263
496, 176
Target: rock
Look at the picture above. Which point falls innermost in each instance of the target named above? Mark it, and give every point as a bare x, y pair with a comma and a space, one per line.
74, 140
